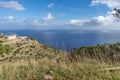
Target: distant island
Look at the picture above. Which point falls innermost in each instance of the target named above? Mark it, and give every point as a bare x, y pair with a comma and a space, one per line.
27, 59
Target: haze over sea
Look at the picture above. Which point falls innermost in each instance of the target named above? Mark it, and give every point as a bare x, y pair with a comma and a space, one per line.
68, 39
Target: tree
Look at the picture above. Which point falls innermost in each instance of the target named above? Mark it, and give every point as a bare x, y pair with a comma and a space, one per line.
117, 13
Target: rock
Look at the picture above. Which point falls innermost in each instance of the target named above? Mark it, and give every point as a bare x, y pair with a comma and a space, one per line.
49, 75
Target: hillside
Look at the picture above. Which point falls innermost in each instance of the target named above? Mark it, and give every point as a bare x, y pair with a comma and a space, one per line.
26, 48
103, 52
28, 59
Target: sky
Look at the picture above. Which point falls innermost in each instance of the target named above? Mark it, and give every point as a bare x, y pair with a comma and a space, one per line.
59, 14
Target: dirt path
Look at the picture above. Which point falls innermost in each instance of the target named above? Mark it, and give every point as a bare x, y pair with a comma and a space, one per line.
110, 69
8, 56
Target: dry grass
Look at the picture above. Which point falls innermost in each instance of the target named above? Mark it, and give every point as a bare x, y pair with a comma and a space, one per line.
47, 61
64, 69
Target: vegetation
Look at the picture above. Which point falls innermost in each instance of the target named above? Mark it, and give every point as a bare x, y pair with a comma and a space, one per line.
30, 60
117, 13
5, 49
1, 41
32, 38
101, 52
1, 36
65, 69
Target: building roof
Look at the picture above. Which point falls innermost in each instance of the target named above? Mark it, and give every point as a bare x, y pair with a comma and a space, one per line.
10, 35
1, 33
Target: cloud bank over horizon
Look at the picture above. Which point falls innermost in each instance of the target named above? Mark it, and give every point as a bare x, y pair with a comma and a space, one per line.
54, 21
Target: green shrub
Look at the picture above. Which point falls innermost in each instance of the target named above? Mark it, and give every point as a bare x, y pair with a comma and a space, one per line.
5, 49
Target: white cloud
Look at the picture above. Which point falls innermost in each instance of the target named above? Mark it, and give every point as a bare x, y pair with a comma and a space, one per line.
109, 20
51, 5
40, 22
14, 5
100, 22
110, 3
9, 18
49, 17
10, 22
77, 22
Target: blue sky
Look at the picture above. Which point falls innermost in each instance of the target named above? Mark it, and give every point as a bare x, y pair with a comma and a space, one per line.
59, 14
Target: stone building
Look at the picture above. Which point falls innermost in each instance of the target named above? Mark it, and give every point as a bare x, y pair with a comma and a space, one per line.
10, 37
1, 34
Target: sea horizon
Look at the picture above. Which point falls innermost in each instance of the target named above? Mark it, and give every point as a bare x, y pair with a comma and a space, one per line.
68, 39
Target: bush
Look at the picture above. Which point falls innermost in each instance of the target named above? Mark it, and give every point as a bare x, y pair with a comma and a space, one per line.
5, 49
105, 51
32, 38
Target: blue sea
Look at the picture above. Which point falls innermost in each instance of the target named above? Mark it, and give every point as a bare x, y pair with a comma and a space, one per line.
68, 39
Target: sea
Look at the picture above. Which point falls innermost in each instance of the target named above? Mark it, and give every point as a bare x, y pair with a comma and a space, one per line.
68, 39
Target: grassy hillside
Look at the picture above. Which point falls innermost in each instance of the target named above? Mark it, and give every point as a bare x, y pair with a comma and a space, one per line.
103, 52
48, 69
31, 60
10, 51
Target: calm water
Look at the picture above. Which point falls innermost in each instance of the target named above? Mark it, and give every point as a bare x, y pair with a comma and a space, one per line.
67, 40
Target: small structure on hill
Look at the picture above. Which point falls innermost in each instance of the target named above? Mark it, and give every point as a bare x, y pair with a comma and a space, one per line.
10, 37
1, 34
22, 37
